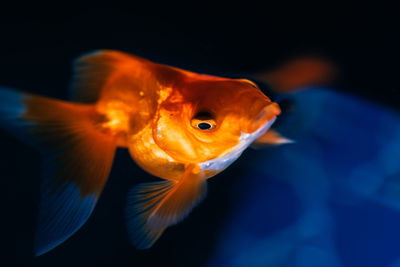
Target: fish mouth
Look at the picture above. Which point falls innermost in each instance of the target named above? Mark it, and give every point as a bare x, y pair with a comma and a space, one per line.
264, 115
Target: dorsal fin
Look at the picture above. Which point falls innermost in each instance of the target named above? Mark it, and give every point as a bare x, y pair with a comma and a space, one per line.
92, 71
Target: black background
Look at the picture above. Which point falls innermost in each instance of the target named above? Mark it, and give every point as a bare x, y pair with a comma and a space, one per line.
38, 44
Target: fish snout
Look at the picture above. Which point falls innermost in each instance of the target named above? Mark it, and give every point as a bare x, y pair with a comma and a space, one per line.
265, 114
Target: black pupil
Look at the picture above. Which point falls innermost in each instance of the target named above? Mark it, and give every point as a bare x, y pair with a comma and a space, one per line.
204, 126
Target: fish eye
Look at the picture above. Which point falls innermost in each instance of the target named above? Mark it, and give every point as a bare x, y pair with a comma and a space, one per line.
204, 121
204, 126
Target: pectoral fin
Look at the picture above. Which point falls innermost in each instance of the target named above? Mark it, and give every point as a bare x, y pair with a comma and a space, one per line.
154, 206
271, 137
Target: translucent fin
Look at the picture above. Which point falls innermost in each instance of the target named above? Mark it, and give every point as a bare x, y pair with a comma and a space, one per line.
154, 206
141, 201
61, 214
77, 160
300, 72
271, 137
92, 71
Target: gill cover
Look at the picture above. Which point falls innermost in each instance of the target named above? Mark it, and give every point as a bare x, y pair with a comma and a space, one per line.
233, 107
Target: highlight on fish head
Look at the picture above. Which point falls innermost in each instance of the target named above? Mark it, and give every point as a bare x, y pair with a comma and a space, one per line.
208, 118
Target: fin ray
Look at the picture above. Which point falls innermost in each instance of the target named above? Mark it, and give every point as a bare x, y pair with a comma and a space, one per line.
93, 70
77, 160
152, 207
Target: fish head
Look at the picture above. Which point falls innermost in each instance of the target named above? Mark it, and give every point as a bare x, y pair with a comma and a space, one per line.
208, 118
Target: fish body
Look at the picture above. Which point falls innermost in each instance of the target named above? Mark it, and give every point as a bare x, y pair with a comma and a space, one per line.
150, 111
178, 125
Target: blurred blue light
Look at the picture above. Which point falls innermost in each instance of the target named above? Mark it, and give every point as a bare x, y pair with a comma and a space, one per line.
346, 158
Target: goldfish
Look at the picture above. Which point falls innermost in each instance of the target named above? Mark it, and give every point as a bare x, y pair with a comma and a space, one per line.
180, 126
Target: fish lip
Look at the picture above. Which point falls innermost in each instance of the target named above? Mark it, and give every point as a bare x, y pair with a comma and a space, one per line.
267, 113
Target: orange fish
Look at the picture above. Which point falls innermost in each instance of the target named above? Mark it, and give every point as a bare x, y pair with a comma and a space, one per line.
180, 126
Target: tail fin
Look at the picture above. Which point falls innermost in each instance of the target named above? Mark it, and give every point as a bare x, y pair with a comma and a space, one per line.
77, 160
300, 72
